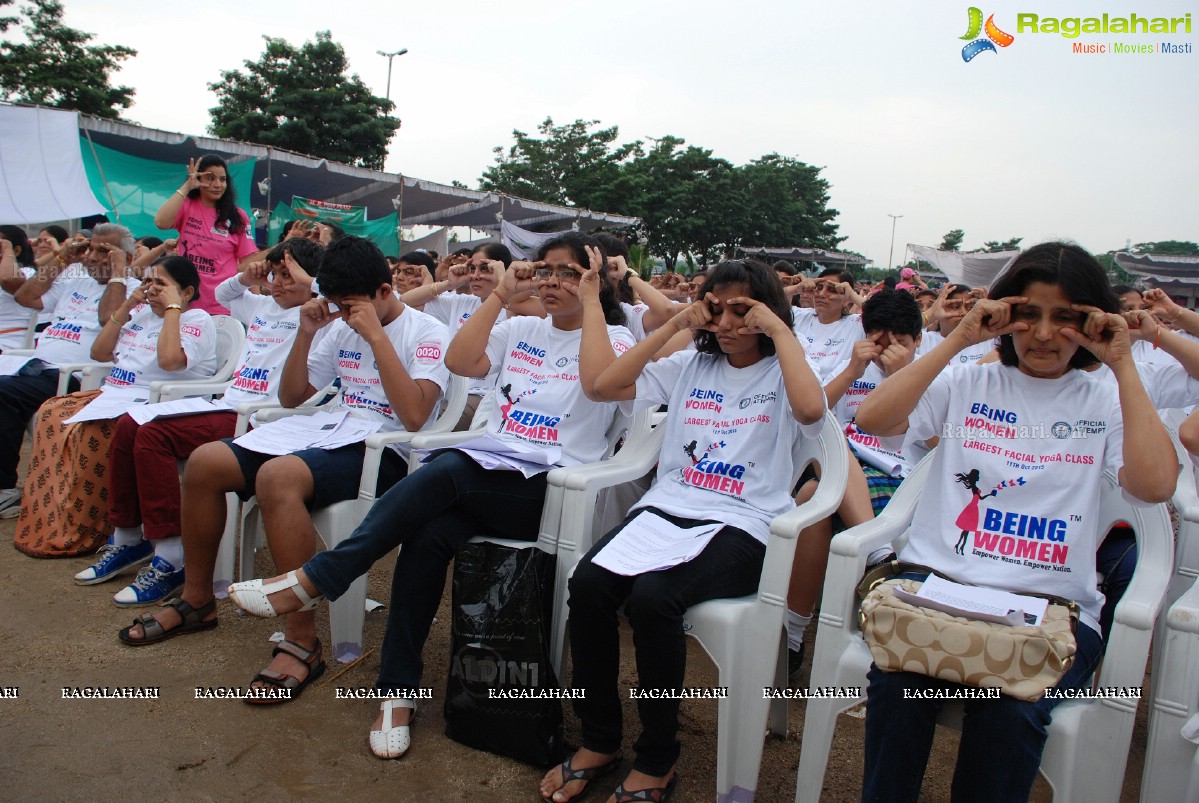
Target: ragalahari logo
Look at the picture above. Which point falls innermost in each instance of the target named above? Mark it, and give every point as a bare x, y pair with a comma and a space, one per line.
994, 35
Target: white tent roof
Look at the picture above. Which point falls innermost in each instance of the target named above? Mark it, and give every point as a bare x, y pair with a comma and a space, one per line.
972, 269
41, 167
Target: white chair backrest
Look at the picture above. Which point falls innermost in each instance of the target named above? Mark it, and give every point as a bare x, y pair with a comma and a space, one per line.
230, 337
31, 330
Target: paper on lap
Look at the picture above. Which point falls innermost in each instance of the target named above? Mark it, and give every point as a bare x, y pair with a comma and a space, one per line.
316, 431
113, 402
494, 454
650, 543
974, 602
11, 365
173, 409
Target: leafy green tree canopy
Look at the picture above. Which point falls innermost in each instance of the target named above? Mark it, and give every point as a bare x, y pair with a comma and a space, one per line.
574, 164
301, 99
57, 67
952, 241
1173, 248
992, 246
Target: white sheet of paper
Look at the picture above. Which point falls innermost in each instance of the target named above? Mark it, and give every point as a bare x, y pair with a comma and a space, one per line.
147, 413
350, 430
494, 454
11, 364
112, 403
650, 543
974, 602
291, 434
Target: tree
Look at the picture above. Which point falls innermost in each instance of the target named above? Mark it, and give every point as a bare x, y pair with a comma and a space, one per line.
787, 205
570, 164
57, 67
1174, 248
992, 246
952, 241
302, 100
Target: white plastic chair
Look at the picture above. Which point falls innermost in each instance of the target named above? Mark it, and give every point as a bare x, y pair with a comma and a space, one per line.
745, 637
230, 338
337, 521
1087, 750
1171, 773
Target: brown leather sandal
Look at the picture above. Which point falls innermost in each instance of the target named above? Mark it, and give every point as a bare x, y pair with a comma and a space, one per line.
275, 683
153, 631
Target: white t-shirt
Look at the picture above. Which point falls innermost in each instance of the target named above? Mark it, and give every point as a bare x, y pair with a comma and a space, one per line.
538, 396
1040, 447
270, 330
1168, 385
827, 344
634, 315
967, 356
1144, 352
136, 352
867, 447
726, 454
453, 309
76, 304
14, 317
420, 342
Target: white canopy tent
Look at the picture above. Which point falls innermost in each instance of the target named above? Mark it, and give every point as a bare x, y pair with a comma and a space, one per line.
971, 269
41, 167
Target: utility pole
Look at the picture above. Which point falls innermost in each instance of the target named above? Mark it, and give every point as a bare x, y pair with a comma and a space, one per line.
891, 253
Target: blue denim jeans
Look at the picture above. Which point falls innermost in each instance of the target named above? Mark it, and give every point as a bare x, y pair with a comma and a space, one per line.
729, 566
431, 513
1002, 740
20, 398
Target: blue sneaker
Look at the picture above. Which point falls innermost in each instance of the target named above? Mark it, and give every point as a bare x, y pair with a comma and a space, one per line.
153, 584
114, 560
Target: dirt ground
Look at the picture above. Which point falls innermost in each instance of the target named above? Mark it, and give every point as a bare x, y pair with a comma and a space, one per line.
55, 634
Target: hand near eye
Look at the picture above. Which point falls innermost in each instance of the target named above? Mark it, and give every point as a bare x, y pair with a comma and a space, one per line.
254, 274
364, 319
315, 315
297, 274
589, 285
519, 278
988, 319
697, 315
193, 175
865, 352
1104, 334
894, 357
168, 294
1142, 325
459, 275
759, 319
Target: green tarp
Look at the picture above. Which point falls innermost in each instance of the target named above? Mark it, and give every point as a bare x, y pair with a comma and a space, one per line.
138, 187
381, 232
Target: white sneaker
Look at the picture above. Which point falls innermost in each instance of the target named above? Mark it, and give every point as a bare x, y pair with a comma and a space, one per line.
10, 503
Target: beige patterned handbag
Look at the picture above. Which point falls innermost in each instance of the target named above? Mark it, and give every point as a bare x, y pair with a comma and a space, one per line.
1022, 662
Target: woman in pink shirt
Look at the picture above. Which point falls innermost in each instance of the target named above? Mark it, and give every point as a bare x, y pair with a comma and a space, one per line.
213, 232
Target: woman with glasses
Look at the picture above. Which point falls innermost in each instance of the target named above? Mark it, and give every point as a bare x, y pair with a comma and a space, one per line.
828, 330
539, 403
213, 232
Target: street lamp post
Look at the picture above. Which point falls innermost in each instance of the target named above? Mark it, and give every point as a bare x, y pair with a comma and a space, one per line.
891, 253
389, 57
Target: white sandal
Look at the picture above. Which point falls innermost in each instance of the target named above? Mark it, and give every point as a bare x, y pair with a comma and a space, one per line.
254, 598
393, 741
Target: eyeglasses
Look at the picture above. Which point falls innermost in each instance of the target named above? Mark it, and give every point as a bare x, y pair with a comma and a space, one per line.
568, 275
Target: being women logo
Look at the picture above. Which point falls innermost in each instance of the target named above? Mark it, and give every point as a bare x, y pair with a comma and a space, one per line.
994, 36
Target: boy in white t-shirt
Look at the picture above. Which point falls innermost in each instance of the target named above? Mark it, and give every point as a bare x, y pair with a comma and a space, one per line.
952, 303
892, 321
389, 360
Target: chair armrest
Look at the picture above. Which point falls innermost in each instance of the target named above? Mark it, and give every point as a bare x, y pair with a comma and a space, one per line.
635, 460
442, 440
1184, 614
91, 375
18, 352
163, 390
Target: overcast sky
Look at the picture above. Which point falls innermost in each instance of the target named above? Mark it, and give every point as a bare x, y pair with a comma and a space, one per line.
1031, 141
